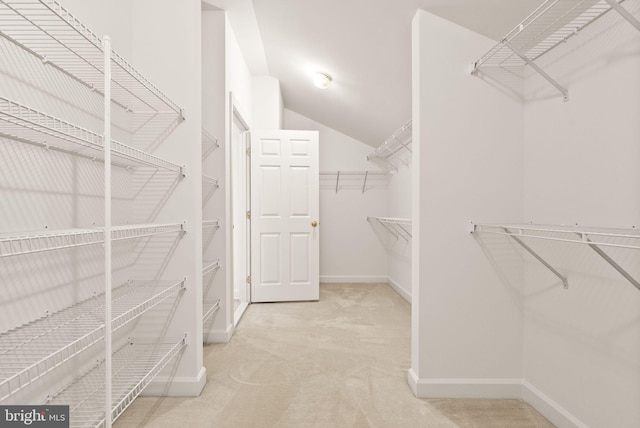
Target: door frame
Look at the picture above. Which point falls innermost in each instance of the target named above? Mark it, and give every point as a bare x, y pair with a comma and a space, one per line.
236, 113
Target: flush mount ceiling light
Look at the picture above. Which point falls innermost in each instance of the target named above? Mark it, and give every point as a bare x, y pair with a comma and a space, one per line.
321, 80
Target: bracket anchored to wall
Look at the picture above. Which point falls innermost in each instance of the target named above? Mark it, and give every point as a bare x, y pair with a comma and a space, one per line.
478, 228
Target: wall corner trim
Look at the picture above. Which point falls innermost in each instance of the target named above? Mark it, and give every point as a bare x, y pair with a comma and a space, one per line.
219, 335
398, 289
467, 388
177, 386
495, 389
549, 408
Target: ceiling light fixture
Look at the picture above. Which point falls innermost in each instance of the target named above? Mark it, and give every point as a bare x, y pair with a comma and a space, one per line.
322, 80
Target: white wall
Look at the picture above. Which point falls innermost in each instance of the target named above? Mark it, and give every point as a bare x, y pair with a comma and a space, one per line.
399, 254
237, 74
581, 345
166, 48
350, 250
268, 106
214, 106
467, 165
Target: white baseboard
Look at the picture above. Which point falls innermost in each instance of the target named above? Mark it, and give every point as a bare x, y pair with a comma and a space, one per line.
465, 388
218, 335
551, 410
494, 388
176, 386
353, 278
401, 291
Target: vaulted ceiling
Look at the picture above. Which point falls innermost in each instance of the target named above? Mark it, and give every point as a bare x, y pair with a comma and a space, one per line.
365, 45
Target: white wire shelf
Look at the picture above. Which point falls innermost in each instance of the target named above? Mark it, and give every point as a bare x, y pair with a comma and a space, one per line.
209, 143
592, 237
209, 310
134, 366
208, 224
48, 31
28, 125
398, 227
551, 24
210, 267
34, 242
210, 181
357, 180
31, 351
396, 150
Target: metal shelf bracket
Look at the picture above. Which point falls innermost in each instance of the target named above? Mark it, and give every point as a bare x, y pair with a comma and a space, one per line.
538, 70
624, 13
609, 260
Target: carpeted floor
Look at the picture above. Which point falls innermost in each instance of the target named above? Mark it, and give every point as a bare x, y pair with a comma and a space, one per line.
339, 362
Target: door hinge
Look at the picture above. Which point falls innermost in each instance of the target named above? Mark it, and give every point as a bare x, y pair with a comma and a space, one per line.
248, 215
248, 279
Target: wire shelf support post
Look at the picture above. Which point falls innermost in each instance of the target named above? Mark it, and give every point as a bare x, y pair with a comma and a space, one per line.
107, 228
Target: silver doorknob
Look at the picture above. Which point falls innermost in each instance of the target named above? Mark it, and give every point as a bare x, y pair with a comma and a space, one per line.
314, 223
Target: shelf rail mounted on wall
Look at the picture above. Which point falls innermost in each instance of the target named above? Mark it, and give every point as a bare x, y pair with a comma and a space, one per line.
398, 227
594, 239
551, 24
395, 151
375, 179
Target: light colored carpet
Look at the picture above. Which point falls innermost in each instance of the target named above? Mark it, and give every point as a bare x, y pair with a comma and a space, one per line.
339, 362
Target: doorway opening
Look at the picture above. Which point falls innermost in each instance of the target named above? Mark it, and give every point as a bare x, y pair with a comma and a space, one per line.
240, 203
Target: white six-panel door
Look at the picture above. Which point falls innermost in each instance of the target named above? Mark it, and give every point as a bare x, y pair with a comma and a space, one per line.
284, 216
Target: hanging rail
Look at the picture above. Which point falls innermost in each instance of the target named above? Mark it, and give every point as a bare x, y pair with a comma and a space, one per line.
551, 24
28, 125
48, 31
367, 177
135, 365
592, 238
395, 149
32, 350
398, 227
34, 242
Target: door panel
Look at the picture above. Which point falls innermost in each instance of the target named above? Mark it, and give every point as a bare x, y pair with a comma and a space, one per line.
285, 205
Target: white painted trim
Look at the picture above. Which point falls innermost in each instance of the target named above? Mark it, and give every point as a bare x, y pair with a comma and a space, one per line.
353, 279
549, 408
218, 335
163, 386
401, 291
495, 388
465, 388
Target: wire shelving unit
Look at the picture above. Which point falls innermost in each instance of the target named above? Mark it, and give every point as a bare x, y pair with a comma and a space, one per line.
396, 150
48, 31
398, 227
210, 181
356, 180
134, 366
31, 351
208, 224
209, 143
29, 125
591, 237
209, 310
210, 267
551, 24
34, 242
